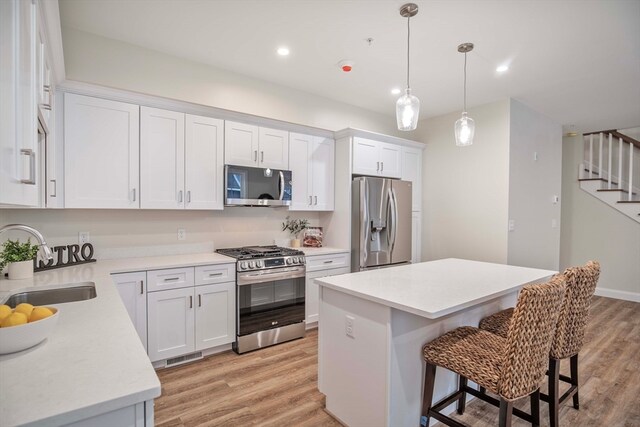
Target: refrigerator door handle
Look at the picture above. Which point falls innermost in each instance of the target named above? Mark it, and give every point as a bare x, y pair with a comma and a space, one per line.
364, 224
394, 220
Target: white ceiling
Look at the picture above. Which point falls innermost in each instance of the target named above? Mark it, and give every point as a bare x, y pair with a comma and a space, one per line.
576, 61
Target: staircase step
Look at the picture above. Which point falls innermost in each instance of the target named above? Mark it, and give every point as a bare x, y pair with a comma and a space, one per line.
616, 189
629, 201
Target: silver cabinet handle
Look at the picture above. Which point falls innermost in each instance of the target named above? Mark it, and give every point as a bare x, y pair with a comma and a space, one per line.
55, 188
255, 156
328, 262
215, 274
190, 301
381, 166
262, 157
377, 166
134, 194
316, 203
47, 88
189, 196
32, 166
199, 300
310, 200
45, 107
180, 196
171, 279
141, 287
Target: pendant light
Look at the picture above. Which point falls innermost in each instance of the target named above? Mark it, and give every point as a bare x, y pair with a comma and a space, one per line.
408, 106
465, 126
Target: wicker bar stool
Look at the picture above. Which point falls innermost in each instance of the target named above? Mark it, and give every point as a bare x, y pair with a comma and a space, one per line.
511, 367
569, 336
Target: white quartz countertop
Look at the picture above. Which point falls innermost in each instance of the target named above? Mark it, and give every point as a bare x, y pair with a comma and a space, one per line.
322, 251
94, 361
436, 288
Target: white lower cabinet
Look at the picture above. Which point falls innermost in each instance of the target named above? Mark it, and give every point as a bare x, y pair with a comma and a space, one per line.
171, 323
317, 267
215, 322
190, 309
133, 291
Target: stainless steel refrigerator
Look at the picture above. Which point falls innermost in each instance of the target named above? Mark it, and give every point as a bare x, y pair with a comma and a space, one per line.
380, 223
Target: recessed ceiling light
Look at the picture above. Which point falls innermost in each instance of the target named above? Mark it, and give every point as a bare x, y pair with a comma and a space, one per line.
502, 68
395, 91
283, 51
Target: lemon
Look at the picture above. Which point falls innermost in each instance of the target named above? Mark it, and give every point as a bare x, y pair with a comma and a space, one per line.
24, 308
14, 319
40, 313
5, 311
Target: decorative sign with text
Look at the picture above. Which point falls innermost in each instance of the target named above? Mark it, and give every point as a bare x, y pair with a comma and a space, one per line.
66, 256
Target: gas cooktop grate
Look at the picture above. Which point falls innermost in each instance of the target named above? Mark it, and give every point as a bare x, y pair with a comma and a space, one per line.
251, 252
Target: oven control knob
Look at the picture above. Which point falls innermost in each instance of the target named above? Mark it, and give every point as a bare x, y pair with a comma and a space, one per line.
243, 265
252, 264
289, 261
259, 264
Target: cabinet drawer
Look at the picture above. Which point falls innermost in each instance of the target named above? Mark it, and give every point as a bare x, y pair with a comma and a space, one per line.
170, 278
325, 262
209, 274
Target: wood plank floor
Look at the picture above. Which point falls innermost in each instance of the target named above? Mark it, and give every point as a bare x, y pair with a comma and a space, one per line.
277, 386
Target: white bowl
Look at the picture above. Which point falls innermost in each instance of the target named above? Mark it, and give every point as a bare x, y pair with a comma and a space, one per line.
22, 337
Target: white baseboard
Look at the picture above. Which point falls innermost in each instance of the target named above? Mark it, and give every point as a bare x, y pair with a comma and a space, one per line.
613, 293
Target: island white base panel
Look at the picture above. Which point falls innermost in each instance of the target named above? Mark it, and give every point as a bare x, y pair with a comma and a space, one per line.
376, 377
138, 415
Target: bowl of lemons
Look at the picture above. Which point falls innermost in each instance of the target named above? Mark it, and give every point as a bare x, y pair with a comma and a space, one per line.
25, 326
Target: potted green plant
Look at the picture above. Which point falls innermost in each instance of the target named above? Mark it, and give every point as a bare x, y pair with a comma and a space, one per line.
295, 226
19, 257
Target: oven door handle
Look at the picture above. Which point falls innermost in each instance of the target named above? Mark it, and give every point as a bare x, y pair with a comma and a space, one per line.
269, 276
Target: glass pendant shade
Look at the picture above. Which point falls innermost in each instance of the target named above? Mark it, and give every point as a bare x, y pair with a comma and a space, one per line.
407, 111
465, 128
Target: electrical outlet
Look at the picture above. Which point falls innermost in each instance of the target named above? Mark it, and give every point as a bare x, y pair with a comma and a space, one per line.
554, 223
512, 225
182, 234
83, 237
350, 326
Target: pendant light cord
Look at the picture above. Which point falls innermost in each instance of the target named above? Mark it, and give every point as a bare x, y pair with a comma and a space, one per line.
465, 83
408, 41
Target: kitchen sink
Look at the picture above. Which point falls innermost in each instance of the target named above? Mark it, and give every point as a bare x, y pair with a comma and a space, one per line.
73, 292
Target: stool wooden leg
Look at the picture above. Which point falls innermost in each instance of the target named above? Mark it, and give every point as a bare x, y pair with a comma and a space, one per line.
506, 412
462, 401
535, 408
574, 380
554, 391
427, 397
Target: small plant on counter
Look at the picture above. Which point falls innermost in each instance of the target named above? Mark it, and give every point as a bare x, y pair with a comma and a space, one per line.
14, 251
295, 226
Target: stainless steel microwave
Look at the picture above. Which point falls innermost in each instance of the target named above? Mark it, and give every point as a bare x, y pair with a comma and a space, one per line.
245, 186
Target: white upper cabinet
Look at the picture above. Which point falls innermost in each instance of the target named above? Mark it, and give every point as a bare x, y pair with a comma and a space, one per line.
253, 146
312, 163
204, 167
376, 158
161, 159
412, 171
20, 156
102, 143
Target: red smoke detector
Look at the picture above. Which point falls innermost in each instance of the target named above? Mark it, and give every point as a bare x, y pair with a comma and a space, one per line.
346, 65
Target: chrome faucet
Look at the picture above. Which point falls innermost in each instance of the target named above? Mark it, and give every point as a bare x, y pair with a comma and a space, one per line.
43, 245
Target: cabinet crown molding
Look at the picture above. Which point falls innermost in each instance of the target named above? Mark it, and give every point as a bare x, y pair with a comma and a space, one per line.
351, 132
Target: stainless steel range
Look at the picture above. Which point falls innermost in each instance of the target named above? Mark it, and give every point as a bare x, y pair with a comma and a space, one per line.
270, 290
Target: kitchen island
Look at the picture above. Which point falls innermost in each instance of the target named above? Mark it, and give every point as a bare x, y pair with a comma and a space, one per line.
373, 325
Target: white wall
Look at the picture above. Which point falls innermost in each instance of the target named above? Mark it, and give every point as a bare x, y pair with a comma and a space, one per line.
535, 241
95, 59
593, 230
465, 189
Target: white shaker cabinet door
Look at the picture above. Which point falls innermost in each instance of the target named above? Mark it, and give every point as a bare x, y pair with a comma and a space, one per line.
204, 170
366, 157
132, 288
240, 144
161, 159
215, 315
412, 171
274, 149
171, 323
312, 295
300, 146
101, 152
390, 160
322, 173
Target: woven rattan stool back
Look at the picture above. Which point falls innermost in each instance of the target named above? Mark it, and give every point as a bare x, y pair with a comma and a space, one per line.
581, 284
529, 338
